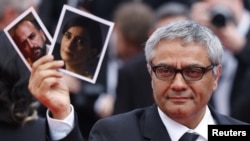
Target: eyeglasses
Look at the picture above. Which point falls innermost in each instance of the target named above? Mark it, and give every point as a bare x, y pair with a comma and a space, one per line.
191, 73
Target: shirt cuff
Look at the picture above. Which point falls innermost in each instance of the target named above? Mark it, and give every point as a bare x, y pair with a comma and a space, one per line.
60, 128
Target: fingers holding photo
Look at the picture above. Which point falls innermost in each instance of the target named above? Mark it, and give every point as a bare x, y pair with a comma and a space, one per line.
44, 69
46, 85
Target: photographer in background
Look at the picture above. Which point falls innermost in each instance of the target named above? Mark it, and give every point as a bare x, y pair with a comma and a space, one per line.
231, 22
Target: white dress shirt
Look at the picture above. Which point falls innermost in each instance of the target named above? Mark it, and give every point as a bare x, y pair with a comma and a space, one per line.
60, 128
173, 126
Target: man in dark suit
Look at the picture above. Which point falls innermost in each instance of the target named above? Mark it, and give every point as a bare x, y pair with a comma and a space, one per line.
184, 62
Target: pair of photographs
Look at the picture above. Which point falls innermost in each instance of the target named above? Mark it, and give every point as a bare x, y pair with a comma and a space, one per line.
80, 40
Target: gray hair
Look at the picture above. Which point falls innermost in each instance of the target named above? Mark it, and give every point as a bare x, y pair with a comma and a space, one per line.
188, 32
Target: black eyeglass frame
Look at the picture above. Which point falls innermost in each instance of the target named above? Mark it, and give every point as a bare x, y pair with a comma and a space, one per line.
187, 78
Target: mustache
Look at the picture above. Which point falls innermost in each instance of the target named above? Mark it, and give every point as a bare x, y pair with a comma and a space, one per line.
37, 48
42, 49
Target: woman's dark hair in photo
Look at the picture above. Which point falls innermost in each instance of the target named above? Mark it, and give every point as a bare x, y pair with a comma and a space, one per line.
93, 29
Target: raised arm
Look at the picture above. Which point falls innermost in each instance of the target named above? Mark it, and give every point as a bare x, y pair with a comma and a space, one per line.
46, 84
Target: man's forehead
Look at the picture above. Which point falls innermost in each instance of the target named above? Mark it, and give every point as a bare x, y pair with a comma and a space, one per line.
25, 24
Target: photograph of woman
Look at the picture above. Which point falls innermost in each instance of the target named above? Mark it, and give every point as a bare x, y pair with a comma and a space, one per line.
79, 44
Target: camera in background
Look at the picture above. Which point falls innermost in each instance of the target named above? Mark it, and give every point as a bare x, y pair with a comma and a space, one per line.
220, 15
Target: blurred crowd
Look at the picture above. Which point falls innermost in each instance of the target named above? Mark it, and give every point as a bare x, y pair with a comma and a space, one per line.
123, 83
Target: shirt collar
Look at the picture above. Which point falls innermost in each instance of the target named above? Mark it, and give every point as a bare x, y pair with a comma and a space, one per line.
173, 126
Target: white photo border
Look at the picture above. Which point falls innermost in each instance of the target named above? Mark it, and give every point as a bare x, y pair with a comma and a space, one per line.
32, 11
110, 24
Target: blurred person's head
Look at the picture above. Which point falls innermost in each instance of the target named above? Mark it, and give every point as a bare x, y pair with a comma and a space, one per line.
17, 105
169, 12
81, 45
30, 39
227, 18
10, 9
220, 11
132, 23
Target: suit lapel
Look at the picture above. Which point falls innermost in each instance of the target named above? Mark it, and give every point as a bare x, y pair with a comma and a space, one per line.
154, 129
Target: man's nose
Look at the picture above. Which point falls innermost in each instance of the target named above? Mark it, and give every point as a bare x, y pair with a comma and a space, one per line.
30, 43
179, 83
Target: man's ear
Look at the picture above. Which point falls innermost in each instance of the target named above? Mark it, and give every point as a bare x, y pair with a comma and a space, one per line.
149, 68
44, 37
217, 76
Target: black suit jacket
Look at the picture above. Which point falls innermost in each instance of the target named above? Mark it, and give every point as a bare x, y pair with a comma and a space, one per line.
140, 125
36, 130
31, 131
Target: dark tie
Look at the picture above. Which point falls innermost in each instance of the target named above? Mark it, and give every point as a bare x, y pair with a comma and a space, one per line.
188, 137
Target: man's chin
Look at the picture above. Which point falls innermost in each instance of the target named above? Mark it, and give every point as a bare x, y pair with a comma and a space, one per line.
37, 57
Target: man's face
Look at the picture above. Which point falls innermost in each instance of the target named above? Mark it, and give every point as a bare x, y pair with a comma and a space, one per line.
182, 100
30, 40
